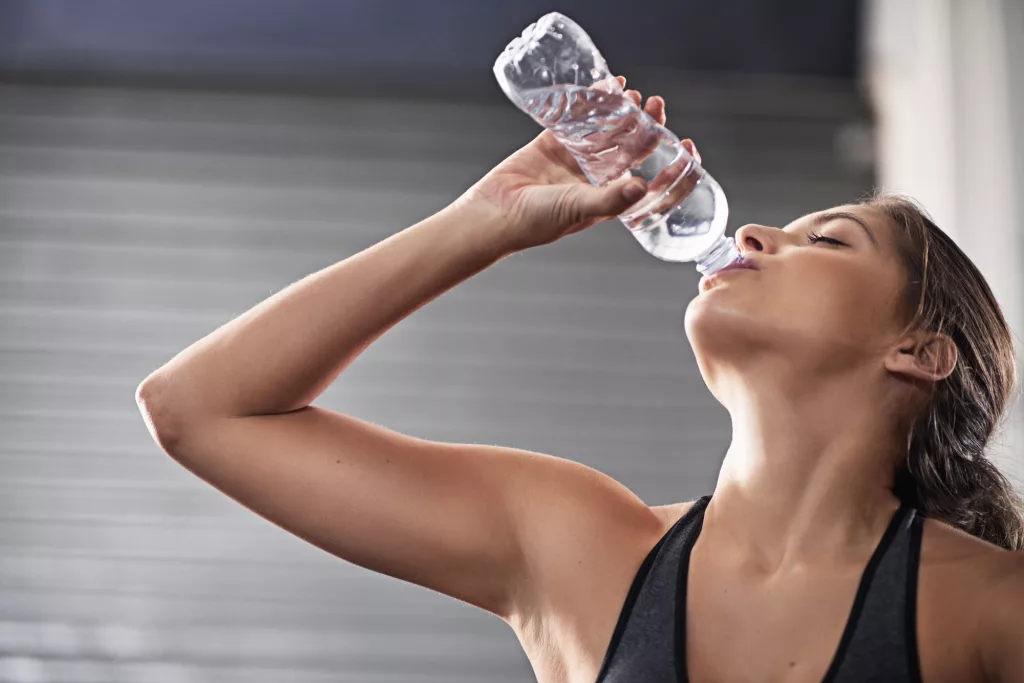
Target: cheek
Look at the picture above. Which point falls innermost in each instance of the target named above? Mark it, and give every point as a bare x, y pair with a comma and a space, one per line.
840, 309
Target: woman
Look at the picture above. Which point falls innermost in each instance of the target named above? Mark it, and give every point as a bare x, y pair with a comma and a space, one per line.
855, 533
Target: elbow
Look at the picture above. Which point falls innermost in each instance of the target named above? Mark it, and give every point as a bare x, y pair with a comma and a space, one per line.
150, 394
162, 418
144, 392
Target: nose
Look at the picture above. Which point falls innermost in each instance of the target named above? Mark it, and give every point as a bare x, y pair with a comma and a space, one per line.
754, 237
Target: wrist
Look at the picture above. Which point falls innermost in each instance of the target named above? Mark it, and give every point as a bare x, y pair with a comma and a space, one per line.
483, 223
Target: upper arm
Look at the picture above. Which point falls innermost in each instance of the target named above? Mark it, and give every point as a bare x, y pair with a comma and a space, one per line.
478, 523
1001, 633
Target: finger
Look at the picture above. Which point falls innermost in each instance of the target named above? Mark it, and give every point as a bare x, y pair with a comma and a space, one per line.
672, 186
635, 96
621, 80
656, 108
585, 201
692, 149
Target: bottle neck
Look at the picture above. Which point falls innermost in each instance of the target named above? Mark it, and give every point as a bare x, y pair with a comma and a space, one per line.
722, 253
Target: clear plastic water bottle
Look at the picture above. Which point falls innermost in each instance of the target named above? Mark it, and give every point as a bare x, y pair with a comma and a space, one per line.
554, 73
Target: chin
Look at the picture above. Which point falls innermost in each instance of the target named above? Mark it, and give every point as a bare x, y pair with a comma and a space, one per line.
732, 332
716, 328
708, 317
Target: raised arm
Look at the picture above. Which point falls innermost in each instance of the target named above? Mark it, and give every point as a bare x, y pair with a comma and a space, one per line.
480, 523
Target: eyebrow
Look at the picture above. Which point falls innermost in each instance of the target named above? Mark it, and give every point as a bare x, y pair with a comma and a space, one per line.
826, 216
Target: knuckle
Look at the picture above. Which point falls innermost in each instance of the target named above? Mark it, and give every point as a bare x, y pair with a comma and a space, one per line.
564, 207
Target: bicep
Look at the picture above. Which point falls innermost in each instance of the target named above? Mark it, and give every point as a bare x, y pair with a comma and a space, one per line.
429, 513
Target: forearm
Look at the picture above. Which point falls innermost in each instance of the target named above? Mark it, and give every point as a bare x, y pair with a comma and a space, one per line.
281, 354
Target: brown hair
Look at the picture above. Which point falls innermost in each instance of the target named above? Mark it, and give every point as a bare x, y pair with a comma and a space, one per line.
946, 474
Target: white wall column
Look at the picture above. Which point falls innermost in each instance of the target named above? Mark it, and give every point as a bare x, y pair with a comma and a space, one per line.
941, 74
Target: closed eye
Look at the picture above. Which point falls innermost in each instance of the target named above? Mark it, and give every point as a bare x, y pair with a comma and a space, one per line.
815, 237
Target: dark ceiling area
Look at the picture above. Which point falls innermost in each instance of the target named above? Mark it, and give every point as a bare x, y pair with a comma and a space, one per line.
413, 40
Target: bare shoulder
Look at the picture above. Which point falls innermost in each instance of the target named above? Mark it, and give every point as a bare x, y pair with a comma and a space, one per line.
958, 575
582, 566
957, 568
947, 548
672, 513
1000, 625
577, 526
971, 591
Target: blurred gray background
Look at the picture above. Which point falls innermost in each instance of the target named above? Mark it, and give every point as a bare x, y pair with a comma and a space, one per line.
166, 166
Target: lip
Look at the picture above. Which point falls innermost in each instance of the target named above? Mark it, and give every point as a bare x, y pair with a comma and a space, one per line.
706, 281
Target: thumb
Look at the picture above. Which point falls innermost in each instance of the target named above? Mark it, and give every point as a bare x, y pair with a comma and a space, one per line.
585, 201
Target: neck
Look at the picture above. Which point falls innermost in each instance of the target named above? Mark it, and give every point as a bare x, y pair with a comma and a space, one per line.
808, 476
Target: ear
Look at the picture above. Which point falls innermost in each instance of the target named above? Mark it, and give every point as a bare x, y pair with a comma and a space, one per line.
924, 356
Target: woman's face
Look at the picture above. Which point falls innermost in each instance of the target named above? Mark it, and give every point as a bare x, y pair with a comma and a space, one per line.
817, 305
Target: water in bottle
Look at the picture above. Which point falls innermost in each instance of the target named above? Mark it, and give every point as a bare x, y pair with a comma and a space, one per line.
555, 74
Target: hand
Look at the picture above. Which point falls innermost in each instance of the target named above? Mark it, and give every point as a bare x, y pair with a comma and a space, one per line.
539, 194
